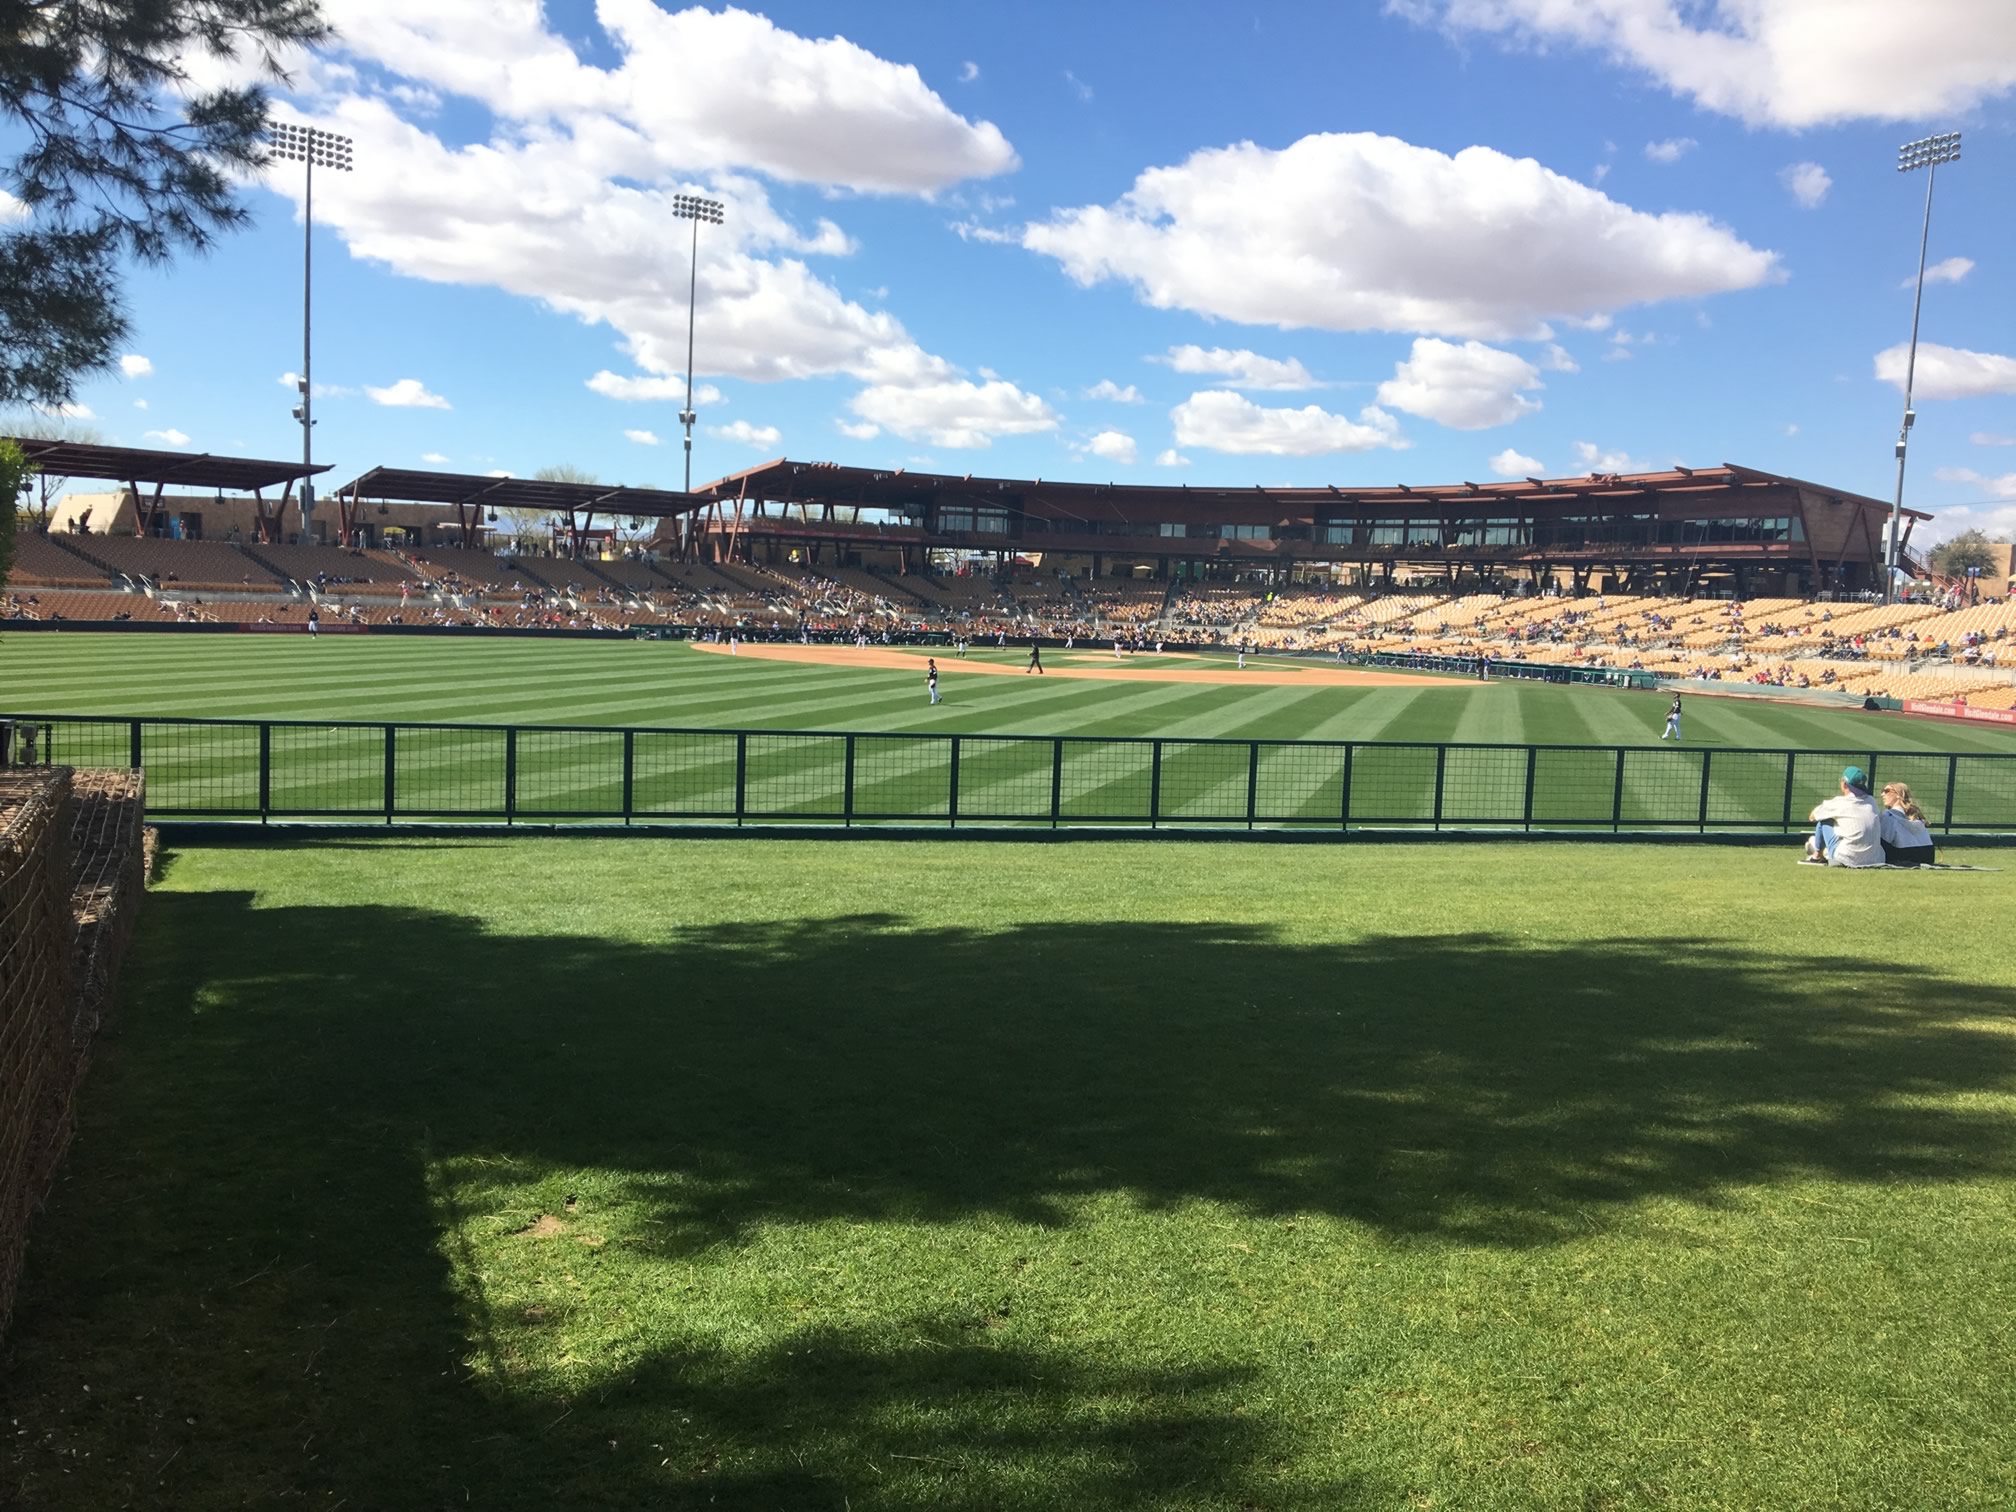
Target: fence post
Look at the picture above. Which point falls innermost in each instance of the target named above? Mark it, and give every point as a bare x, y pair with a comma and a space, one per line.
391, 771
741, 775
1155, 785
1532, 770
1791, 764
847, 785
1617, 795
1344, 817
1252, 781
265, 769
629, 771
1952, 789
133, 745
1056, 779
952, 789
1706, 758
510, 774
1441, 759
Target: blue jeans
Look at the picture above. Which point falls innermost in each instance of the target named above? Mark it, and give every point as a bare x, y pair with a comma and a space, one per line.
1825, 837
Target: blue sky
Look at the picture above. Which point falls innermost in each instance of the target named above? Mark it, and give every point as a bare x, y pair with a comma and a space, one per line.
1424, 242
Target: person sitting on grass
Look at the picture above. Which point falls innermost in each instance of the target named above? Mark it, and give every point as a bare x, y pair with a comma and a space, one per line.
1848, 829
1907, 841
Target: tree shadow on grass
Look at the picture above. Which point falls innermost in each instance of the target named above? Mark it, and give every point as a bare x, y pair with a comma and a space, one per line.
253, 1226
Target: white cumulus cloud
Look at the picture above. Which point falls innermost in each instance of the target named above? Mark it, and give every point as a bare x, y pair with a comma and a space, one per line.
968, 71
670, 388
1946, 270
865, 431
1807, 183
1671, 150
433, 458
1365, 232
1467, 387
1556, 359
1114, 446
1240, 369
407, 393
135, 366
744, 434
703, 90
1220, 420
1106, 388
641, 437
1593, 458
1792, 63
169, 437
956, 413
1513, 464
1171, 458
1948, 372
2003, 487
563, 194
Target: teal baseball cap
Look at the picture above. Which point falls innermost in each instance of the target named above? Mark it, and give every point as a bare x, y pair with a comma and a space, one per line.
1855, 777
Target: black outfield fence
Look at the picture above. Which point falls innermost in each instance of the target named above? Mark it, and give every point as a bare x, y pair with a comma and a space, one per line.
393, 773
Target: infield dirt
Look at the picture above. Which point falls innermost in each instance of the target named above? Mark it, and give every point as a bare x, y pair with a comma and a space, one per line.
1071, 664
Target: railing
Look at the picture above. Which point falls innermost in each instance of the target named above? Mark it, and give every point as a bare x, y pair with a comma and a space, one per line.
395, 773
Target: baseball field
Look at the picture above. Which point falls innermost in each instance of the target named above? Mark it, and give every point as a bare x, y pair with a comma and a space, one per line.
549, 1173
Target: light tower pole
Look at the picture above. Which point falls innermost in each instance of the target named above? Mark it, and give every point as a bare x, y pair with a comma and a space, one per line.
1927, 153
692, 207
312, 147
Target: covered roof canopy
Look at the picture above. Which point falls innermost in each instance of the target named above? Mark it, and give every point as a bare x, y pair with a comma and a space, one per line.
411, 486
887, 488
126, 464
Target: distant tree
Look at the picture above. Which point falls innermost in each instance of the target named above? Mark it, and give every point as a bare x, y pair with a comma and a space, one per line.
121, 155
48, 486
1970, 548
534, 522
15, 472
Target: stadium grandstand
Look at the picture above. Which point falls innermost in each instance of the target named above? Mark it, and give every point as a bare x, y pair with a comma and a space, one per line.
1722, 574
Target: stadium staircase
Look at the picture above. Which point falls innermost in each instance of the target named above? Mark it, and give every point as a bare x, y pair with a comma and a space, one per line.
97, 563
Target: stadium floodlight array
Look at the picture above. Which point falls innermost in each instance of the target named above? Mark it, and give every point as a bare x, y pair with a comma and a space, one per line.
1927, 153
693, 207
313, 148
311, 145
696, 209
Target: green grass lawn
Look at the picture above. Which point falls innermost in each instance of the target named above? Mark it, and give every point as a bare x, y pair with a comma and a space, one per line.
332, 771
553, 1174
526, 681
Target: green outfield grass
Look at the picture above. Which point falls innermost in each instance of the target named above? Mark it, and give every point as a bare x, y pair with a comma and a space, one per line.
550, 1174
336, 771
527, 681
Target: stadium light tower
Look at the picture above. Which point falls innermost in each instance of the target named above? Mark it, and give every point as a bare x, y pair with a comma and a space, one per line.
692, 207
1927, 153
313, 148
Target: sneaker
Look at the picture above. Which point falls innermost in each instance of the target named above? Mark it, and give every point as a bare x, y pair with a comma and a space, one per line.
1812, 860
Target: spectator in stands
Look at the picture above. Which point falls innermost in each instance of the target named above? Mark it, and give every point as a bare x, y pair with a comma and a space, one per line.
1848, 828
1907, 841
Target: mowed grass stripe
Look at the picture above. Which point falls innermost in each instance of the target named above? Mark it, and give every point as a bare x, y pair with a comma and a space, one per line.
495, 681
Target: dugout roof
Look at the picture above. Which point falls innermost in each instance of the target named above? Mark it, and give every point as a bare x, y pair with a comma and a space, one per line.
898, 489
399, 485
132, 466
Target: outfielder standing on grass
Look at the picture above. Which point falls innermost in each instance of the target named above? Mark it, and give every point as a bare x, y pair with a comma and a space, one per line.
931, 677
1673, 720
1035, 660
